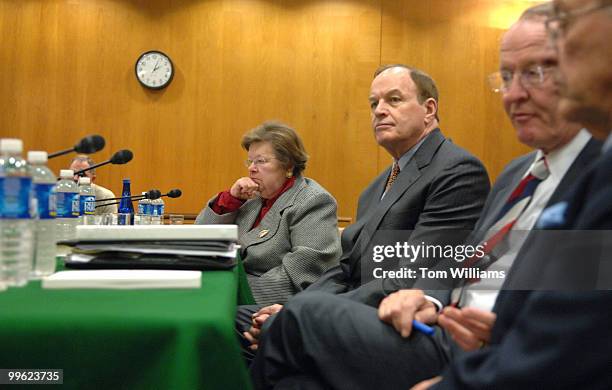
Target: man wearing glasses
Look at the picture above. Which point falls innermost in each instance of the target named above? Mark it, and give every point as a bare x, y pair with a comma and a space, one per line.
556, 339
376, 354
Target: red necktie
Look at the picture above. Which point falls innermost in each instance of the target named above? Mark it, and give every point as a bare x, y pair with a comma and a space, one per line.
515, 206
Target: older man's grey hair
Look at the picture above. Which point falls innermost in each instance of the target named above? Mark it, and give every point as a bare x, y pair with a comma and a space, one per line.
87, 159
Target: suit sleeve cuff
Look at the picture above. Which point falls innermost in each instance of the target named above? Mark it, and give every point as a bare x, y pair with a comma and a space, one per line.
226, 203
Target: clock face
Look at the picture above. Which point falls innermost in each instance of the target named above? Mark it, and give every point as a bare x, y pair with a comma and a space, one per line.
154, 69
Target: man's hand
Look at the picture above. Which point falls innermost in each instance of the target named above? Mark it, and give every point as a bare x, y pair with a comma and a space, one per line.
244, 188
427, 383
401, 307
469, 327
258, 319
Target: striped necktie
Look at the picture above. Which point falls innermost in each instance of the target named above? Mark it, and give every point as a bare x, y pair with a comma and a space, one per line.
516, 204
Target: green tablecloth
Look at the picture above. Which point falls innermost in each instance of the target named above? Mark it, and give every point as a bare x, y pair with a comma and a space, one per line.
153, 339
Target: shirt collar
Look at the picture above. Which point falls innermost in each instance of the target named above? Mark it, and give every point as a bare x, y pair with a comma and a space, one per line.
560, 160
403, 161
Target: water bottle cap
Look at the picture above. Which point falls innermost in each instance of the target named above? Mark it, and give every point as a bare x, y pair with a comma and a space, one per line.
11, 145
37, 156
66, 173
127, 180
84, 180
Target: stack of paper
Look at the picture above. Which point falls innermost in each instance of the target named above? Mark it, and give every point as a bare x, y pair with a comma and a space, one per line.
197, 247
157, 232
123, 279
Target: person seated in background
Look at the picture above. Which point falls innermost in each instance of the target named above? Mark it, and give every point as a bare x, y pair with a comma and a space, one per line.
83, 161
287, 223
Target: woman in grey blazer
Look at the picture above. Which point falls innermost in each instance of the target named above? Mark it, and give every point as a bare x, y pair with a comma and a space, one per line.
287, 223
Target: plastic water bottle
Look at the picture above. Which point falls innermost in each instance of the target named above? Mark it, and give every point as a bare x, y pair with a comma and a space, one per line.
16, 235
67, 196
157, 211
87, 202
125, 205
43, 211
142, 217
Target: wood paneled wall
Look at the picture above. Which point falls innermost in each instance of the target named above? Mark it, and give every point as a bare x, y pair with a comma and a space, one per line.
67, 70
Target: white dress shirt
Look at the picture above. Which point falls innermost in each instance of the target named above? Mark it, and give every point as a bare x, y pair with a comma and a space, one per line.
482, 294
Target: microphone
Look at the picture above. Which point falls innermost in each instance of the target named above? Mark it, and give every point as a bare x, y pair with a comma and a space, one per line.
151, 194
121, 157
175, 193
87, 145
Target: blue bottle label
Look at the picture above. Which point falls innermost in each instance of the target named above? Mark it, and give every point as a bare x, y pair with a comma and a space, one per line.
67, 205
15, 197
76, 205
141, 208
53, 203
148, 209
44, 197
87, 204
158, 209
123, 219
125, 206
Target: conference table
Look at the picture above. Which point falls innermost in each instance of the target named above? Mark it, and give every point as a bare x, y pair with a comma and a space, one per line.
149, 339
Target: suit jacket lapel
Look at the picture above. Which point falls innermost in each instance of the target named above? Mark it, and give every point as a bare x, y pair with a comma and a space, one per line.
577, 169
269, 224
248, 215
501, 197
588, 154
407, 177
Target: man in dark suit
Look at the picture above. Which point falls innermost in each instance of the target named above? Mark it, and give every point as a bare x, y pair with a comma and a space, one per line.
562, 339
433, 184
345, 344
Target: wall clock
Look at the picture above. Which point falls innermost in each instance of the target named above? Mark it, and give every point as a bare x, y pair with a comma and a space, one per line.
154, 69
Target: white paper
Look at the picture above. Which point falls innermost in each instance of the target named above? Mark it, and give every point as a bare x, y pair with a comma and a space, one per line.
123, 279
157, 232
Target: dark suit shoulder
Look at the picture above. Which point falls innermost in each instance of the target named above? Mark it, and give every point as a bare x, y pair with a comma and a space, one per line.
452, 155
518, 166
454, 162
590, 202
454, 152
437, 148
519, 163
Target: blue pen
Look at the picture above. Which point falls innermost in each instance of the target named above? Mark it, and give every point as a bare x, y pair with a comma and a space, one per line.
421, 327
